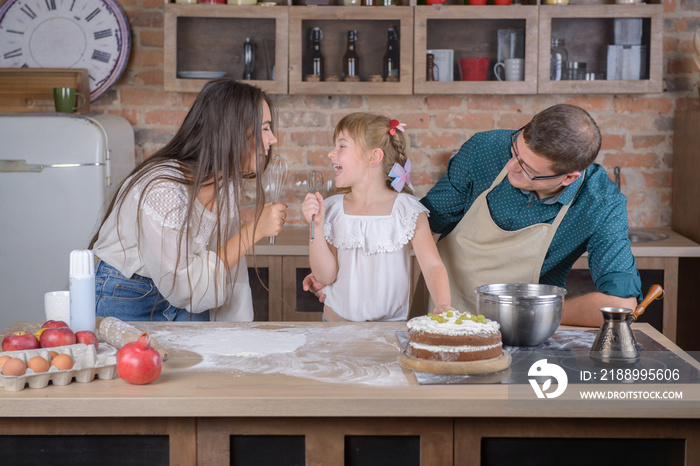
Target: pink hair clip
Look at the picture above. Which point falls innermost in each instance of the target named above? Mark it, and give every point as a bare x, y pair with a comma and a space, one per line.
401, 174
394, 125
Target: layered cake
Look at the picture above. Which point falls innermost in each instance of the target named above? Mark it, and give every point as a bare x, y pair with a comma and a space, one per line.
453, 336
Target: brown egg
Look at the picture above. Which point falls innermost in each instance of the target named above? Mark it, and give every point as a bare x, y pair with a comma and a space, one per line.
14, 366
63, 362
38, 364
52, 354
3, 359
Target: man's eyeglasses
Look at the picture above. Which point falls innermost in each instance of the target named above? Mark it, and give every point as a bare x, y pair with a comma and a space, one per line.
514, 147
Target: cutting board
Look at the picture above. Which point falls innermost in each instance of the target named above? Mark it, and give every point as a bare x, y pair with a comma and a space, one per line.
485, 366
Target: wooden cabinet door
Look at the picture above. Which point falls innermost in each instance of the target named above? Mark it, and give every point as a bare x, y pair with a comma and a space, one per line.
265, 277
299, 305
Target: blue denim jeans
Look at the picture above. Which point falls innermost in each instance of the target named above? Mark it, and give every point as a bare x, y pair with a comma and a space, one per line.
135, 298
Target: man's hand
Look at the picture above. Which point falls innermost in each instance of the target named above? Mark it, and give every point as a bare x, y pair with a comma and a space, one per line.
584, 311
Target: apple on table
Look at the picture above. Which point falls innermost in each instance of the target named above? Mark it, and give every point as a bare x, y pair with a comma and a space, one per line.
54, 324
61, 336
87, 337
19, 341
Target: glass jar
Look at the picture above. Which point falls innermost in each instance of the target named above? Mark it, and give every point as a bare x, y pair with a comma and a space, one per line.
576, 71
558, 59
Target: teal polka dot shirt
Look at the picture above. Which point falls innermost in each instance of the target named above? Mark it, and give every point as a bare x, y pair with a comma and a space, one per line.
596, 222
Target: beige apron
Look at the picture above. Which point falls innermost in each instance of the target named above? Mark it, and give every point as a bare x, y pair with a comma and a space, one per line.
478, 252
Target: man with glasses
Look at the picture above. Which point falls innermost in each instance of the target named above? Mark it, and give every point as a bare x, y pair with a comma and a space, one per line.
522, 206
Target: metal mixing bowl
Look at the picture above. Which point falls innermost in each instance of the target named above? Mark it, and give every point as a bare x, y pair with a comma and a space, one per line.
528, 313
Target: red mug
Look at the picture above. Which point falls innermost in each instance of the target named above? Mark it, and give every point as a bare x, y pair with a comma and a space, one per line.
475, 68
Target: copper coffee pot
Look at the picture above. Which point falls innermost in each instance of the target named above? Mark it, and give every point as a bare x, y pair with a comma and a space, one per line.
615, 342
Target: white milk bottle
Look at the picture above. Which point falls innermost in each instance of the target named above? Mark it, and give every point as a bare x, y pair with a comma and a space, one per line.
82, 290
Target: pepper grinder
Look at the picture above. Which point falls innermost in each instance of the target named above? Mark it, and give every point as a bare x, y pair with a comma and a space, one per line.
430, 67
248, 59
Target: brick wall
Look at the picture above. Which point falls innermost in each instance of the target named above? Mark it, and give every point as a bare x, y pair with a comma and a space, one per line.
637, 129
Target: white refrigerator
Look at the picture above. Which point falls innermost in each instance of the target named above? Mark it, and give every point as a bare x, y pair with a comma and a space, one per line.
57, 172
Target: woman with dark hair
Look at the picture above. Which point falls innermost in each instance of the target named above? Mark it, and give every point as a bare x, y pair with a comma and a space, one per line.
173, 241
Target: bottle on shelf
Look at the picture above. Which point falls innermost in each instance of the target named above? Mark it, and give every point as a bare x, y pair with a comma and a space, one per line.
558, 58
248, 59
351, 61
576, 71
315, 70
390, 70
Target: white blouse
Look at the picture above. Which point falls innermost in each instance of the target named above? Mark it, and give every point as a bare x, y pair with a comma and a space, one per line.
151, 250
373, 281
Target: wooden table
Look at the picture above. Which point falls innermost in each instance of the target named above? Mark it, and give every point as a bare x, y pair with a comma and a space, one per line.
329, 385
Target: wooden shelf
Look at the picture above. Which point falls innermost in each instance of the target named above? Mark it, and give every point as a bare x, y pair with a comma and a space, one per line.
588, 28
29, 90
372, 36
474, 30
211, 37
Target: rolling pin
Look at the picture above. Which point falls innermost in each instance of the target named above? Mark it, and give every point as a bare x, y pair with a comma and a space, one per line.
118, 333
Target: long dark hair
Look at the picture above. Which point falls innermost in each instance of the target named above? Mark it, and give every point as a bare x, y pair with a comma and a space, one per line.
211, 147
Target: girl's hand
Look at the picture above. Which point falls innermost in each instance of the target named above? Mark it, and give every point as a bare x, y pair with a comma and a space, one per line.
271, 220
310, 284
440, 308
313, 205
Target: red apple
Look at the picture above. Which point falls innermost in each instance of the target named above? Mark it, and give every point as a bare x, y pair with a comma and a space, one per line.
54, 324
87, 337
19, 341
57, 337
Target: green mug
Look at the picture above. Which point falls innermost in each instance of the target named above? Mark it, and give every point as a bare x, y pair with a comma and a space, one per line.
64, 99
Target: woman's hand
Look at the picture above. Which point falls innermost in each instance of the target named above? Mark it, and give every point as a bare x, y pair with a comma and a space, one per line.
270, 224
271, 220
313, 205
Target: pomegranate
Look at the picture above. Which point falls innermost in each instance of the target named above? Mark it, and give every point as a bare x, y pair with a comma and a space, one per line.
137, 362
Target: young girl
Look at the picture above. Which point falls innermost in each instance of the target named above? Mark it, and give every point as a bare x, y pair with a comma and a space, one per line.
172, 243
364, 260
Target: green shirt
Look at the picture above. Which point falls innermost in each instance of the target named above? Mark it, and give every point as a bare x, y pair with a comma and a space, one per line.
596, 221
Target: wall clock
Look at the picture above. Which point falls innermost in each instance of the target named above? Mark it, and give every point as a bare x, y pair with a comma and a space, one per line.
91, 34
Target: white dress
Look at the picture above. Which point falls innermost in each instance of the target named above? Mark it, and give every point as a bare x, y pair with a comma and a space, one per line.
373, 281
151, 251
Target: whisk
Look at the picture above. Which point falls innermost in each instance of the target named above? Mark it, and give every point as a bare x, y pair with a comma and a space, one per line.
276, 175
315, 183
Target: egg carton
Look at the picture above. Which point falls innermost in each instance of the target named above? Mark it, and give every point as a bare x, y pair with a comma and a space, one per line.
88, 362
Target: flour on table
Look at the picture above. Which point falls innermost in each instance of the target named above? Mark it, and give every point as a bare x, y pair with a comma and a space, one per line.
328, 354
240, 342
